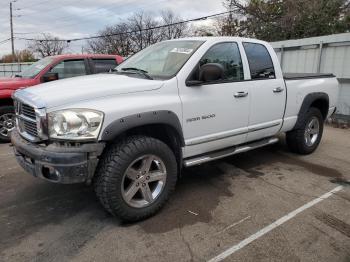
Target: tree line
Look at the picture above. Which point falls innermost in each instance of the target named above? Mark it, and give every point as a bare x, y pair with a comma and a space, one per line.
269, 20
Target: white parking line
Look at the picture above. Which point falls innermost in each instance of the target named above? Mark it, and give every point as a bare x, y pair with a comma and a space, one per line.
272, 226
6, 154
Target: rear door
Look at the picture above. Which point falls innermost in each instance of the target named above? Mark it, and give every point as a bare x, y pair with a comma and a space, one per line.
268, 94
70, 68
102, 65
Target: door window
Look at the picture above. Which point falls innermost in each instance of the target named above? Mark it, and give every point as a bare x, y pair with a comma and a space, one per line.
260, 62
228, 55
104, 65
69, 68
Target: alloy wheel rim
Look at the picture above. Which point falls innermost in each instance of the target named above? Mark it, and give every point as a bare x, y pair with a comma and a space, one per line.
7, 124
312, 131
143, 181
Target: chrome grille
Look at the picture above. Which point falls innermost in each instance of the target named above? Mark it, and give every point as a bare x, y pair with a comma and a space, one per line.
26, 121
28, 111
30, 128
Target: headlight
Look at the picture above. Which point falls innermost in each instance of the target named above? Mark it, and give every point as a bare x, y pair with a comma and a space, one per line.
75, 124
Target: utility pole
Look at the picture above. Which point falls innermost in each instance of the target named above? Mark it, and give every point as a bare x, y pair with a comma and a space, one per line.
12, 39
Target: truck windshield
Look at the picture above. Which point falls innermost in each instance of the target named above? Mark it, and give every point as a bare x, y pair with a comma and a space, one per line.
163, 60
34, 69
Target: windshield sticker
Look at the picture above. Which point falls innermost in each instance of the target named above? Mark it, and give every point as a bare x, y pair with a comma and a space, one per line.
186, 51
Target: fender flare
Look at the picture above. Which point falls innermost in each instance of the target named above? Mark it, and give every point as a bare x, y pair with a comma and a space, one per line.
307, 102
121, 125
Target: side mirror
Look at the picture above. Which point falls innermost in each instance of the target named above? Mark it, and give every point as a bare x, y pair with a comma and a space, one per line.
211, 72
48, 77
194, 83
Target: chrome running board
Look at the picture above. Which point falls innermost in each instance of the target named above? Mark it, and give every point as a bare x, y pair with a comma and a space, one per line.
229, 152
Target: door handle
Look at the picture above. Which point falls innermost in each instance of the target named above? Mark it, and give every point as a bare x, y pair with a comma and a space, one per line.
278, 90
240, 94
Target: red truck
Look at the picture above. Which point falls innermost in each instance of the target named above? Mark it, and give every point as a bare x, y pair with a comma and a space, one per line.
48, 69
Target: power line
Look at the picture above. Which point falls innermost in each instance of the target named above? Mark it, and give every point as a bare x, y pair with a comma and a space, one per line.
29, 33
4, 41
128, 32
95, 12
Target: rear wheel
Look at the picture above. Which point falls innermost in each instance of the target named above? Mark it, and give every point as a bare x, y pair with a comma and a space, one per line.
7, 122
135, 177
306, 139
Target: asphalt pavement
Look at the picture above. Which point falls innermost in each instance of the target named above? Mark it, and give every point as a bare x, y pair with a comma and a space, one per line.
266, 205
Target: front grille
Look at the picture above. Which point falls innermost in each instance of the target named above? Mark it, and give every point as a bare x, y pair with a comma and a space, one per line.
26, 121
30, 128
28, 111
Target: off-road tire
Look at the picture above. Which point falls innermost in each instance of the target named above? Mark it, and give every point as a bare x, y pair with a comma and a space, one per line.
296, 140
114, 163
6, 110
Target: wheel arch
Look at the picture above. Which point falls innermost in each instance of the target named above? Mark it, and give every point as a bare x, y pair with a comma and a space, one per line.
6, 102
318, 100
163, 125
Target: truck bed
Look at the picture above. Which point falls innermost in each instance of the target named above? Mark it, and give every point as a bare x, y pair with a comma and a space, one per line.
295, 76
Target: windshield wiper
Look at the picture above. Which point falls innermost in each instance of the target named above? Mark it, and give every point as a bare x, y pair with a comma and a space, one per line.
138, 70
18, 75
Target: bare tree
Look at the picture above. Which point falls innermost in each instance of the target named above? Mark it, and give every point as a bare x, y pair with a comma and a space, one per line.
176, 28
115, 41
142, 25
137, 32
47, 45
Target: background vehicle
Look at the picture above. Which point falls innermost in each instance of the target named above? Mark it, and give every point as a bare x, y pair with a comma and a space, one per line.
45, 70
177, 103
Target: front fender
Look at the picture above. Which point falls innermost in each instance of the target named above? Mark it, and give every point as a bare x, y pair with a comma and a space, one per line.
6, 93
121, 125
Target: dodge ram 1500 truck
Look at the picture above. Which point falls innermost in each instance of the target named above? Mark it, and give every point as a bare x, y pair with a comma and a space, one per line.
175, 104
45, 70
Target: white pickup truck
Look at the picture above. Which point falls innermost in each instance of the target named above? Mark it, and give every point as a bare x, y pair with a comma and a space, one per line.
175, 104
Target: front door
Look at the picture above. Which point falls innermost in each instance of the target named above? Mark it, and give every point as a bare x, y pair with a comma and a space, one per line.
215, 114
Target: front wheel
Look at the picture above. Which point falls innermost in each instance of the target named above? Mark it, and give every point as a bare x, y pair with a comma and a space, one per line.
306, 139
7, 122
135, 177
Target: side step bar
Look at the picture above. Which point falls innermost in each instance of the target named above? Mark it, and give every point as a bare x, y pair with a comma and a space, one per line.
229, 152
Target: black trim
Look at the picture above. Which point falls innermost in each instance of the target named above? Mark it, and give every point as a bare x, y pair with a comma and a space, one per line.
121, 125
295, 76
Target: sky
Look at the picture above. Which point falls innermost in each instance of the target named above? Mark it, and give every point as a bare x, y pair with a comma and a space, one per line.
72, 19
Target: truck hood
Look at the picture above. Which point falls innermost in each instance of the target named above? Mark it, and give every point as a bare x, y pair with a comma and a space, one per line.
66, 91
15, 83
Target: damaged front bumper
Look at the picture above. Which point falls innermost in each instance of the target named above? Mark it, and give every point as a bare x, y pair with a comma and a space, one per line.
57, 163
